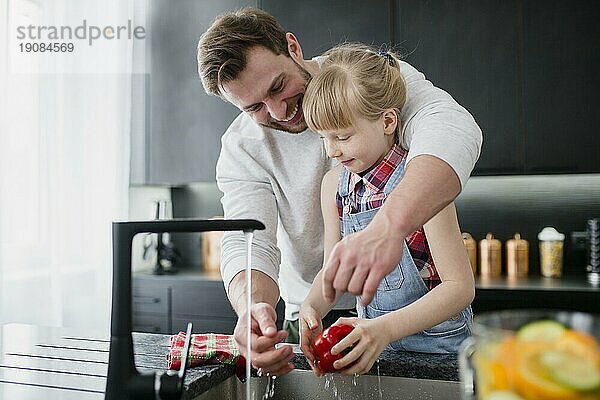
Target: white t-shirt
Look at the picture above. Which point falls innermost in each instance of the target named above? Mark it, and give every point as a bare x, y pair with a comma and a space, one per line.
275, 177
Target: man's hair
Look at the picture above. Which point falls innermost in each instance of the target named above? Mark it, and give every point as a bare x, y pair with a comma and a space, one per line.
222, 49
355, 80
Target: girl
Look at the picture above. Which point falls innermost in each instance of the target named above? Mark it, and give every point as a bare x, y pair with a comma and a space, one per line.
355, 102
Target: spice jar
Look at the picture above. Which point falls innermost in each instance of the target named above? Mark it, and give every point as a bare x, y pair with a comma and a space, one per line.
490, 257
551, 252
517, 257
471, 246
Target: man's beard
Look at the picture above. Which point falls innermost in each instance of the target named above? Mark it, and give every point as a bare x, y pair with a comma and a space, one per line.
301, 125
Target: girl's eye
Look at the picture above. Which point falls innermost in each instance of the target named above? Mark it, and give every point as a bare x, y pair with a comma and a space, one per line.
343, 138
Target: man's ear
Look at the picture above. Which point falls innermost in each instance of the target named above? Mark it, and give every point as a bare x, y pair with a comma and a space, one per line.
294, 48
390, 121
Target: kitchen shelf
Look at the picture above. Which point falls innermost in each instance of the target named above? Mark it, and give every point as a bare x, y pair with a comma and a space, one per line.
571, 293
565, 283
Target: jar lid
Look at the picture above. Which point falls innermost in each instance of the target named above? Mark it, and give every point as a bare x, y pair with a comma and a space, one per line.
517, 242
550, 234
490, 241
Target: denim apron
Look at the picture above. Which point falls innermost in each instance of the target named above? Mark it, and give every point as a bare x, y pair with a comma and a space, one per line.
403, 285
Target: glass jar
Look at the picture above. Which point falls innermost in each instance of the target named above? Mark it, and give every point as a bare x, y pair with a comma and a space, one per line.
490, 257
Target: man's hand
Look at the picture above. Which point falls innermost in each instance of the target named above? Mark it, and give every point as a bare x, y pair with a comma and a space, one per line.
359, 262
264, 336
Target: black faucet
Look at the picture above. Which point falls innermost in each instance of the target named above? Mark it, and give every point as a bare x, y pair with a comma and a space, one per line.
124, 382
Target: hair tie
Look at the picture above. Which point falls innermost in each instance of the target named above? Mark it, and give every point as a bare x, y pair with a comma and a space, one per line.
387, 56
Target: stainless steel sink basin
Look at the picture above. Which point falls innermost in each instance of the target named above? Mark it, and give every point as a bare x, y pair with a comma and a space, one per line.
303, 385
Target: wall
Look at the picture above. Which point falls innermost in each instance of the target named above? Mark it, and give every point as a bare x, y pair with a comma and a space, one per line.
141, 207
199, 200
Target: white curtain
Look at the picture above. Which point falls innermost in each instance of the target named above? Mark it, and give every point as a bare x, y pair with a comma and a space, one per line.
64, 166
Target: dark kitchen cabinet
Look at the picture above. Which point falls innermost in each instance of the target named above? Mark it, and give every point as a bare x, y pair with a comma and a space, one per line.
561, 80
151, 307
182, 125
526, 70
470, 49
166, 303
320, 25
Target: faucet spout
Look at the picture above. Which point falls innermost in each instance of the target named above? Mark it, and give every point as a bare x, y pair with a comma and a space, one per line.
124, 382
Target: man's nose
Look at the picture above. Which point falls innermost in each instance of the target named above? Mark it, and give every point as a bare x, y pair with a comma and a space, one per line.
277, 109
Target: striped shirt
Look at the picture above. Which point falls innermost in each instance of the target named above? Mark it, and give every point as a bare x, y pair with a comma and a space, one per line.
369, 194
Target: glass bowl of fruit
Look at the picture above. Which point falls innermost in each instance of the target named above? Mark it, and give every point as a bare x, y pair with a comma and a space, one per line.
532, 354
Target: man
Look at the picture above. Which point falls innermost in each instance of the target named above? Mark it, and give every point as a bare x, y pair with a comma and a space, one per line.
270, 168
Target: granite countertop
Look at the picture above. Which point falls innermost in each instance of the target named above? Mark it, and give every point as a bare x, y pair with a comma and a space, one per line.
151, 349
59, 363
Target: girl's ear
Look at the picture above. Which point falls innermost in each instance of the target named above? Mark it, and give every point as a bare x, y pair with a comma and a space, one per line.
390, 121
294, 48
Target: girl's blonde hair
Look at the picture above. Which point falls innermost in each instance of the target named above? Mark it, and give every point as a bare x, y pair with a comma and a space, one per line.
355, 80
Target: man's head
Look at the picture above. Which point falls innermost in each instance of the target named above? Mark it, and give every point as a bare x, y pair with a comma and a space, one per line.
246, 58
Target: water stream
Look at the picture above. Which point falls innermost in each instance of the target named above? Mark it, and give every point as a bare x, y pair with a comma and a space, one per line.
248, 235
270, 390
379, 379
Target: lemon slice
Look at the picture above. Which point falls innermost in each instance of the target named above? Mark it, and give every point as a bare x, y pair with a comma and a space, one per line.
571, 371
545, 330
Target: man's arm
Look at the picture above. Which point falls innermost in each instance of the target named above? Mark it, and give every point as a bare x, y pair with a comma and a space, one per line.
247, 193
428, 185
263, 289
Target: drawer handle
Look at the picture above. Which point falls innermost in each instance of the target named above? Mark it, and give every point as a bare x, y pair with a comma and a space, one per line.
147, 328
146, 299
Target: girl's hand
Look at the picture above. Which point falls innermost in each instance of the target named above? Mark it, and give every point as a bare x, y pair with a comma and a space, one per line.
309, 326
369, 340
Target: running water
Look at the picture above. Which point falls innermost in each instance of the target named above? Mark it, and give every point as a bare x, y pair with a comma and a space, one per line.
270, 390
328, 380
248, 235
379, 379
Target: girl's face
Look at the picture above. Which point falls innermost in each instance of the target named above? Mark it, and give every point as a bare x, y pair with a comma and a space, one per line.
361, 147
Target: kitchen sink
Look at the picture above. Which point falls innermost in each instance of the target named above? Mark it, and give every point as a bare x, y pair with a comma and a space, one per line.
303, 385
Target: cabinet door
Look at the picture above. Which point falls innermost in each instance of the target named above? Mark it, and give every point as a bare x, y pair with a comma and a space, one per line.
150, 305
200, 298
470, 50
560, 86
185, 124
319, 25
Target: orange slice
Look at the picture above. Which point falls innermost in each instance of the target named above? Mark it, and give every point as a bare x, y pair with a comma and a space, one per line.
533, 381
581, 344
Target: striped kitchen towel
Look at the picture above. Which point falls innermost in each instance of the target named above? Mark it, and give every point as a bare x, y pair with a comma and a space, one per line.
205, 348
